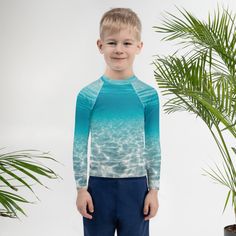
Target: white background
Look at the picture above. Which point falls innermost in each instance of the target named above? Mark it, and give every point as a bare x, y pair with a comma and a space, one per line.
48, 53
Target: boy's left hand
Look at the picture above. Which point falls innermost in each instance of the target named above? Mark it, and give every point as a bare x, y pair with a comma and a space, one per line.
151, 204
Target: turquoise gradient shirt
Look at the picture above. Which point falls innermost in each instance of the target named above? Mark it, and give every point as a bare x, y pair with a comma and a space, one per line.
122, 117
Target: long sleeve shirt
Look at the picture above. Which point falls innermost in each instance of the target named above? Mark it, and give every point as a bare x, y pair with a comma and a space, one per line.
122, 117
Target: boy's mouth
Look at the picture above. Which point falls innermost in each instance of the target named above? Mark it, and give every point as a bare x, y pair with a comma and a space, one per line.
118, 58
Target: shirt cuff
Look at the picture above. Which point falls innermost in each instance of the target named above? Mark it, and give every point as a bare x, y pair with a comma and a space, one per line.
81, 187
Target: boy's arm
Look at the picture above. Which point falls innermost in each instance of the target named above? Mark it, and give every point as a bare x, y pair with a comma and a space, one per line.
152, 141
80, 144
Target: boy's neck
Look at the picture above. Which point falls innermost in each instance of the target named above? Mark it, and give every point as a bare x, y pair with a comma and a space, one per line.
118, 76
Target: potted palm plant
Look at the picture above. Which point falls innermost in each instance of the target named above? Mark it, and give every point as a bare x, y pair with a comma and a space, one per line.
14, 168
201, 77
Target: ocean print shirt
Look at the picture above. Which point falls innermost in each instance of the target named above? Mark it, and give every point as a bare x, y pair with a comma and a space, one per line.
122, 117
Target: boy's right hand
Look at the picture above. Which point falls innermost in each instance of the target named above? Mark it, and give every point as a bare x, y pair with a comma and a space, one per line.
83, 199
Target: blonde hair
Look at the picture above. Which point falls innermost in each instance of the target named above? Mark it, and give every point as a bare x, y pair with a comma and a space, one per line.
116, 19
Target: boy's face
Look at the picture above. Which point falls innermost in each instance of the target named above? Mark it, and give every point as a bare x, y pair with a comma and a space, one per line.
119, 50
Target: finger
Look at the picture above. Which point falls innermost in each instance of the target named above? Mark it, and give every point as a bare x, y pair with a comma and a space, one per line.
151, 214
90, 206
84, 213
148, 217
146, 209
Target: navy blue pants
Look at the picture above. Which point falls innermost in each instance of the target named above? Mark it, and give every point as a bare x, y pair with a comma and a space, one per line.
118, 205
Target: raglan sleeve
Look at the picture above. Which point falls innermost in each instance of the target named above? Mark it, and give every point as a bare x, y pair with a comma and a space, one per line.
152, 140
81, 135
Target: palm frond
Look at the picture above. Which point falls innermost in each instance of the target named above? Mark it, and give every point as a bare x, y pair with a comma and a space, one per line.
18, 165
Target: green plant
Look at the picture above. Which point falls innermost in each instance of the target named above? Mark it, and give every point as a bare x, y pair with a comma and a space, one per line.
15, 167
201, 77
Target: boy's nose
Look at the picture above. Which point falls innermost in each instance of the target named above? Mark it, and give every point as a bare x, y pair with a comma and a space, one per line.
119, 48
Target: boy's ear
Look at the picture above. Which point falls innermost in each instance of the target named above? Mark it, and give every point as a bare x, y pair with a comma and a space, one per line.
99, 45
139, 47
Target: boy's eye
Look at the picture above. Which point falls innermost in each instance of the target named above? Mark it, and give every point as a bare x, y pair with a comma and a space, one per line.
126, 43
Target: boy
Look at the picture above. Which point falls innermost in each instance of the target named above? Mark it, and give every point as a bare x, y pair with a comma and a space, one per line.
122, 113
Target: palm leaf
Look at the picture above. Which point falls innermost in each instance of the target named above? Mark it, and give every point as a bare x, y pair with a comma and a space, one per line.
24, 162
